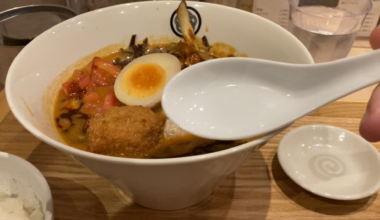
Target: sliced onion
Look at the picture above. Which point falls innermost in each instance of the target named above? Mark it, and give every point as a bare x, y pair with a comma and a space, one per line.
206, 56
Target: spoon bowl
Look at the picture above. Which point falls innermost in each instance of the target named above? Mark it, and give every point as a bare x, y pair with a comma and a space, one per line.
238, 98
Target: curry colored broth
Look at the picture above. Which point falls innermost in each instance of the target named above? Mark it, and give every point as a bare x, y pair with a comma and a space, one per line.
75, 135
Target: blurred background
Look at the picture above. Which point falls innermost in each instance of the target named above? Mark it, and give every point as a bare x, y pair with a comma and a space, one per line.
274, 10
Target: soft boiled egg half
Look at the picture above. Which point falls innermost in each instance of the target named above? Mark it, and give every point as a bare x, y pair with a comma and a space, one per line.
142, 81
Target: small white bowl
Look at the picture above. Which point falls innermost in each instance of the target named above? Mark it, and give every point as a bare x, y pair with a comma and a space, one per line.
21, 178
330, 162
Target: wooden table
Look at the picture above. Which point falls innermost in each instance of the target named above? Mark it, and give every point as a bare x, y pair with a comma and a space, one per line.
259, 189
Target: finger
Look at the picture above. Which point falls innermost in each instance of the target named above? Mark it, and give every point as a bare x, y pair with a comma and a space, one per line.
370, 123
374, 38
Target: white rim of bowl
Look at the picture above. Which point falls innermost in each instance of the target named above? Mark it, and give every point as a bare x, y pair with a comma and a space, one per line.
147, 161
367, 193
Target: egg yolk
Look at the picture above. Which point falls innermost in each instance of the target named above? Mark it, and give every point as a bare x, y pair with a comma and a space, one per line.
144, 79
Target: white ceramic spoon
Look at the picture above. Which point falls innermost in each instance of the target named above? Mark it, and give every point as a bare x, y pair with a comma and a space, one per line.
237, 98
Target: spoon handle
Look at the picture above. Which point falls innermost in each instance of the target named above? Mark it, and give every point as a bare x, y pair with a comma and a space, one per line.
237, 98
327, 82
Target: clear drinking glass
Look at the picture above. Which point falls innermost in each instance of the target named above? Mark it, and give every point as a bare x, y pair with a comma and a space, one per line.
327, 28
231, 3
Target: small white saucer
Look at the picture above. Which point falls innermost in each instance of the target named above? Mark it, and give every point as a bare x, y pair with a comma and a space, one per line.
330, 162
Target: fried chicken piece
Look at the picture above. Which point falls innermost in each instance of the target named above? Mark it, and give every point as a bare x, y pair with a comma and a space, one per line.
129, 131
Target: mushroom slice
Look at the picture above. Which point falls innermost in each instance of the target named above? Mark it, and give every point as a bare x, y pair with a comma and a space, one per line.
184, 22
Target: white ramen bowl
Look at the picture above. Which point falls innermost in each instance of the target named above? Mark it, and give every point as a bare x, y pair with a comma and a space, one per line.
163, 184
20, 179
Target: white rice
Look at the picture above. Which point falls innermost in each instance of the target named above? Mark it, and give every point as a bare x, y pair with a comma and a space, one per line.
14, 208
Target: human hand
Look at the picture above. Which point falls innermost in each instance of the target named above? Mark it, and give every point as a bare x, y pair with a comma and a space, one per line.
370, 124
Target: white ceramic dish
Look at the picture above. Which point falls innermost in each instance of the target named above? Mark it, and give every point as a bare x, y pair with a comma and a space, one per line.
21, 178
163, 184
330, 162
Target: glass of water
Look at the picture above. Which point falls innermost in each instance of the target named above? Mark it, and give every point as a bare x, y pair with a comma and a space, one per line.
327, 28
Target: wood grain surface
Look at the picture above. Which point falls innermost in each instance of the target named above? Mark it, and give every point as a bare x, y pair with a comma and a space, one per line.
258, 190
4, 108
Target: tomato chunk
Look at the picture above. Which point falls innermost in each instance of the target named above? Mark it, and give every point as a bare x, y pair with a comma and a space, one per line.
93, 87
72, 90
84, 81
91, 97
66, 87
110, 99
107, 66
102, 72
101, 78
